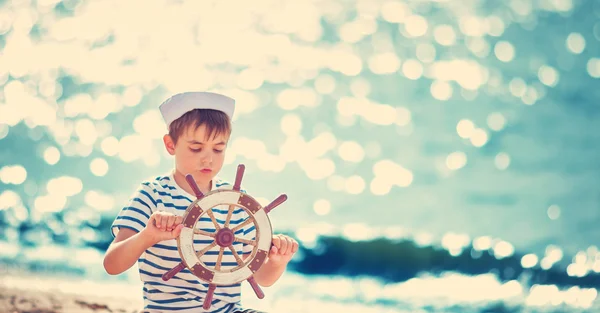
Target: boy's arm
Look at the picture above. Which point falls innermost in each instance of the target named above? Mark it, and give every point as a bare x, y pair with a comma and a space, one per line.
269, 273
281, 253
125, 250
129, 244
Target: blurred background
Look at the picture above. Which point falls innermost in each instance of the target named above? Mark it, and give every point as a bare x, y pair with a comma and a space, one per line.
439, 156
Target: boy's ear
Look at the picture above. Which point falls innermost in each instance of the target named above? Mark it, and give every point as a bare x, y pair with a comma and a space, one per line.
169, 144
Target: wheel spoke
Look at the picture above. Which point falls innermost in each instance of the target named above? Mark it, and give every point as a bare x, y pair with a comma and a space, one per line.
240, 226
238, 177
212, 218
236, 255
229, 213
246, 241
204, 233
190, 180
203, 251
219, 258
209, 296
259, 293
281, 199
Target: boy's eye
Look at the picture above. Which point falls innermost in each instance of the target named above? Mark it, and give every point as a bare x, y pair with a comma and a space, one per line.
200, 149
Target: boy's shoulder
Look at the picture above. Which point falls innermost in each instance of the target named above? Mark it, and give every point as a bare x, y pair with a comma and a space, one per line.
166, 183
157, 183
158, 180
221, 183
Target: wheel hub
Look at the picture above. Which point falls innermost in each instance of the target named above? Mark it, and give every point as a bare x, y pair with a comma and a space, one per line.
224, 237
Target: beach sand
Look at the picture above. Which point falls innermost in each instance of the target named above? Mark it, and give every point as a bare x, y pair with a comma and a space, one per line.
25, 292
34, 294
31, 301
28, 293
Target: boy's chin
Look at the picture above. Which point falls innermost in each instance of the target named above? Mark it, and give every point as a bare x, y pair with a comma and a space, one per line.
199, 175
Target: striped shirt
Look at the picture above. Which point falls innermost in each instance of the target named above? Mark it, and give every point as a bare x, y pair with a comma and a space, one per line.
184, 292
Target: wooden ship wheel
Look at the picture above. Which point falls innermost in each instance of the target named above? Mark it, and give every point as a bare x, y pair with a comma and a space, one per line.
224, 237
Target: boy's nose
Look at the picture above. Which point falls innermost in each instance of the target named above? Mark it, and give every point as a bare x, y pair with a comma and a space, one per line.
206, 158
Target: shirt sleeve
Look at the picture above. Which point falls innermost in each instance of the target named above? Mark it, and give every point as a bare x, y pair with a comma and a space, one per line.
136, 213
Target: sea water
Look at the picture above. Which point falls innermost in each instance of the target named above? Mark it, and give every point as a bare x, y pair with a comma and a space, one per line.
438, 156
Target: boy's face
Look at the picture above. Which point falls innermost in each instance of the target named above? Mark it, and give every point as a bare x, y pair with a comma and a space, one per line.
197, 153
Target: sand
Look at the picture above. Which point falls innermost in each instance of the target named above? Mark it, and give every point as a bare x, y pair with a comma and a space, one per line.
34, 294
31, 301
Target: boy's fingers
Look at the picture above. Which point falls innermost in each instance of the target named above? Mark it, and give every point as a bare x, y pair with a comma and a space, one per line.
177, 230
170, 221
163, 222
158, 221
276, 242
290, 245
284, 244
294, 246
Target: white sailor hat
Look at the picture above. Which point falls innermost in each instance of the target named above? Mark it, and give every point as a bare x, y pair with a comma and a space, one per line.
181, 103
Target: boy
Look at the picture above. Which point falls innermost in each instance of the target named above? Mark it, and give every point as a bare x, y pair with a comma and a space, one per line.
199, 125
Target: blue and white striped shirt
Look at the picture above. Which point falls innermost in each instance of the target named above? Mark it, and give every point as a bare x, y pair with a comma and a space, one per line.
184, 292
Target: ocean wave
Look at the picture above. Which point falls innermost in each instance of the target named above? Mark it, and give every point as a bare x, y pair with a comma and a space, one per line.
386, 259
399, 260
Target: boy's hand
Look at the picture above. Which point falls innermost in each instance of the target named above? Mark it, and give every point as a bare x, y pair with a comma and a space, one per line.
283, 249
163, 226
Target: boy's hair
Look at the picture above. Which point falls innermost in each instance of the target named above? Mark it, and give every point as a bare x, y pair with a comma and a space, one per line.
216, 123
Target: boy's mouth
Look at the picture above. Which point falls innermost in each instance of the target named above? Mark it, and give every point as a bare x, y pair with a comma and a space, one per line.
206, 170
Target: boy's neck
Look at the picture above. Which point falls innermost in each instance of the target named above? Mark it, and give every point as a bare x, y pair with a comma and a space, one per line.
180, 180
